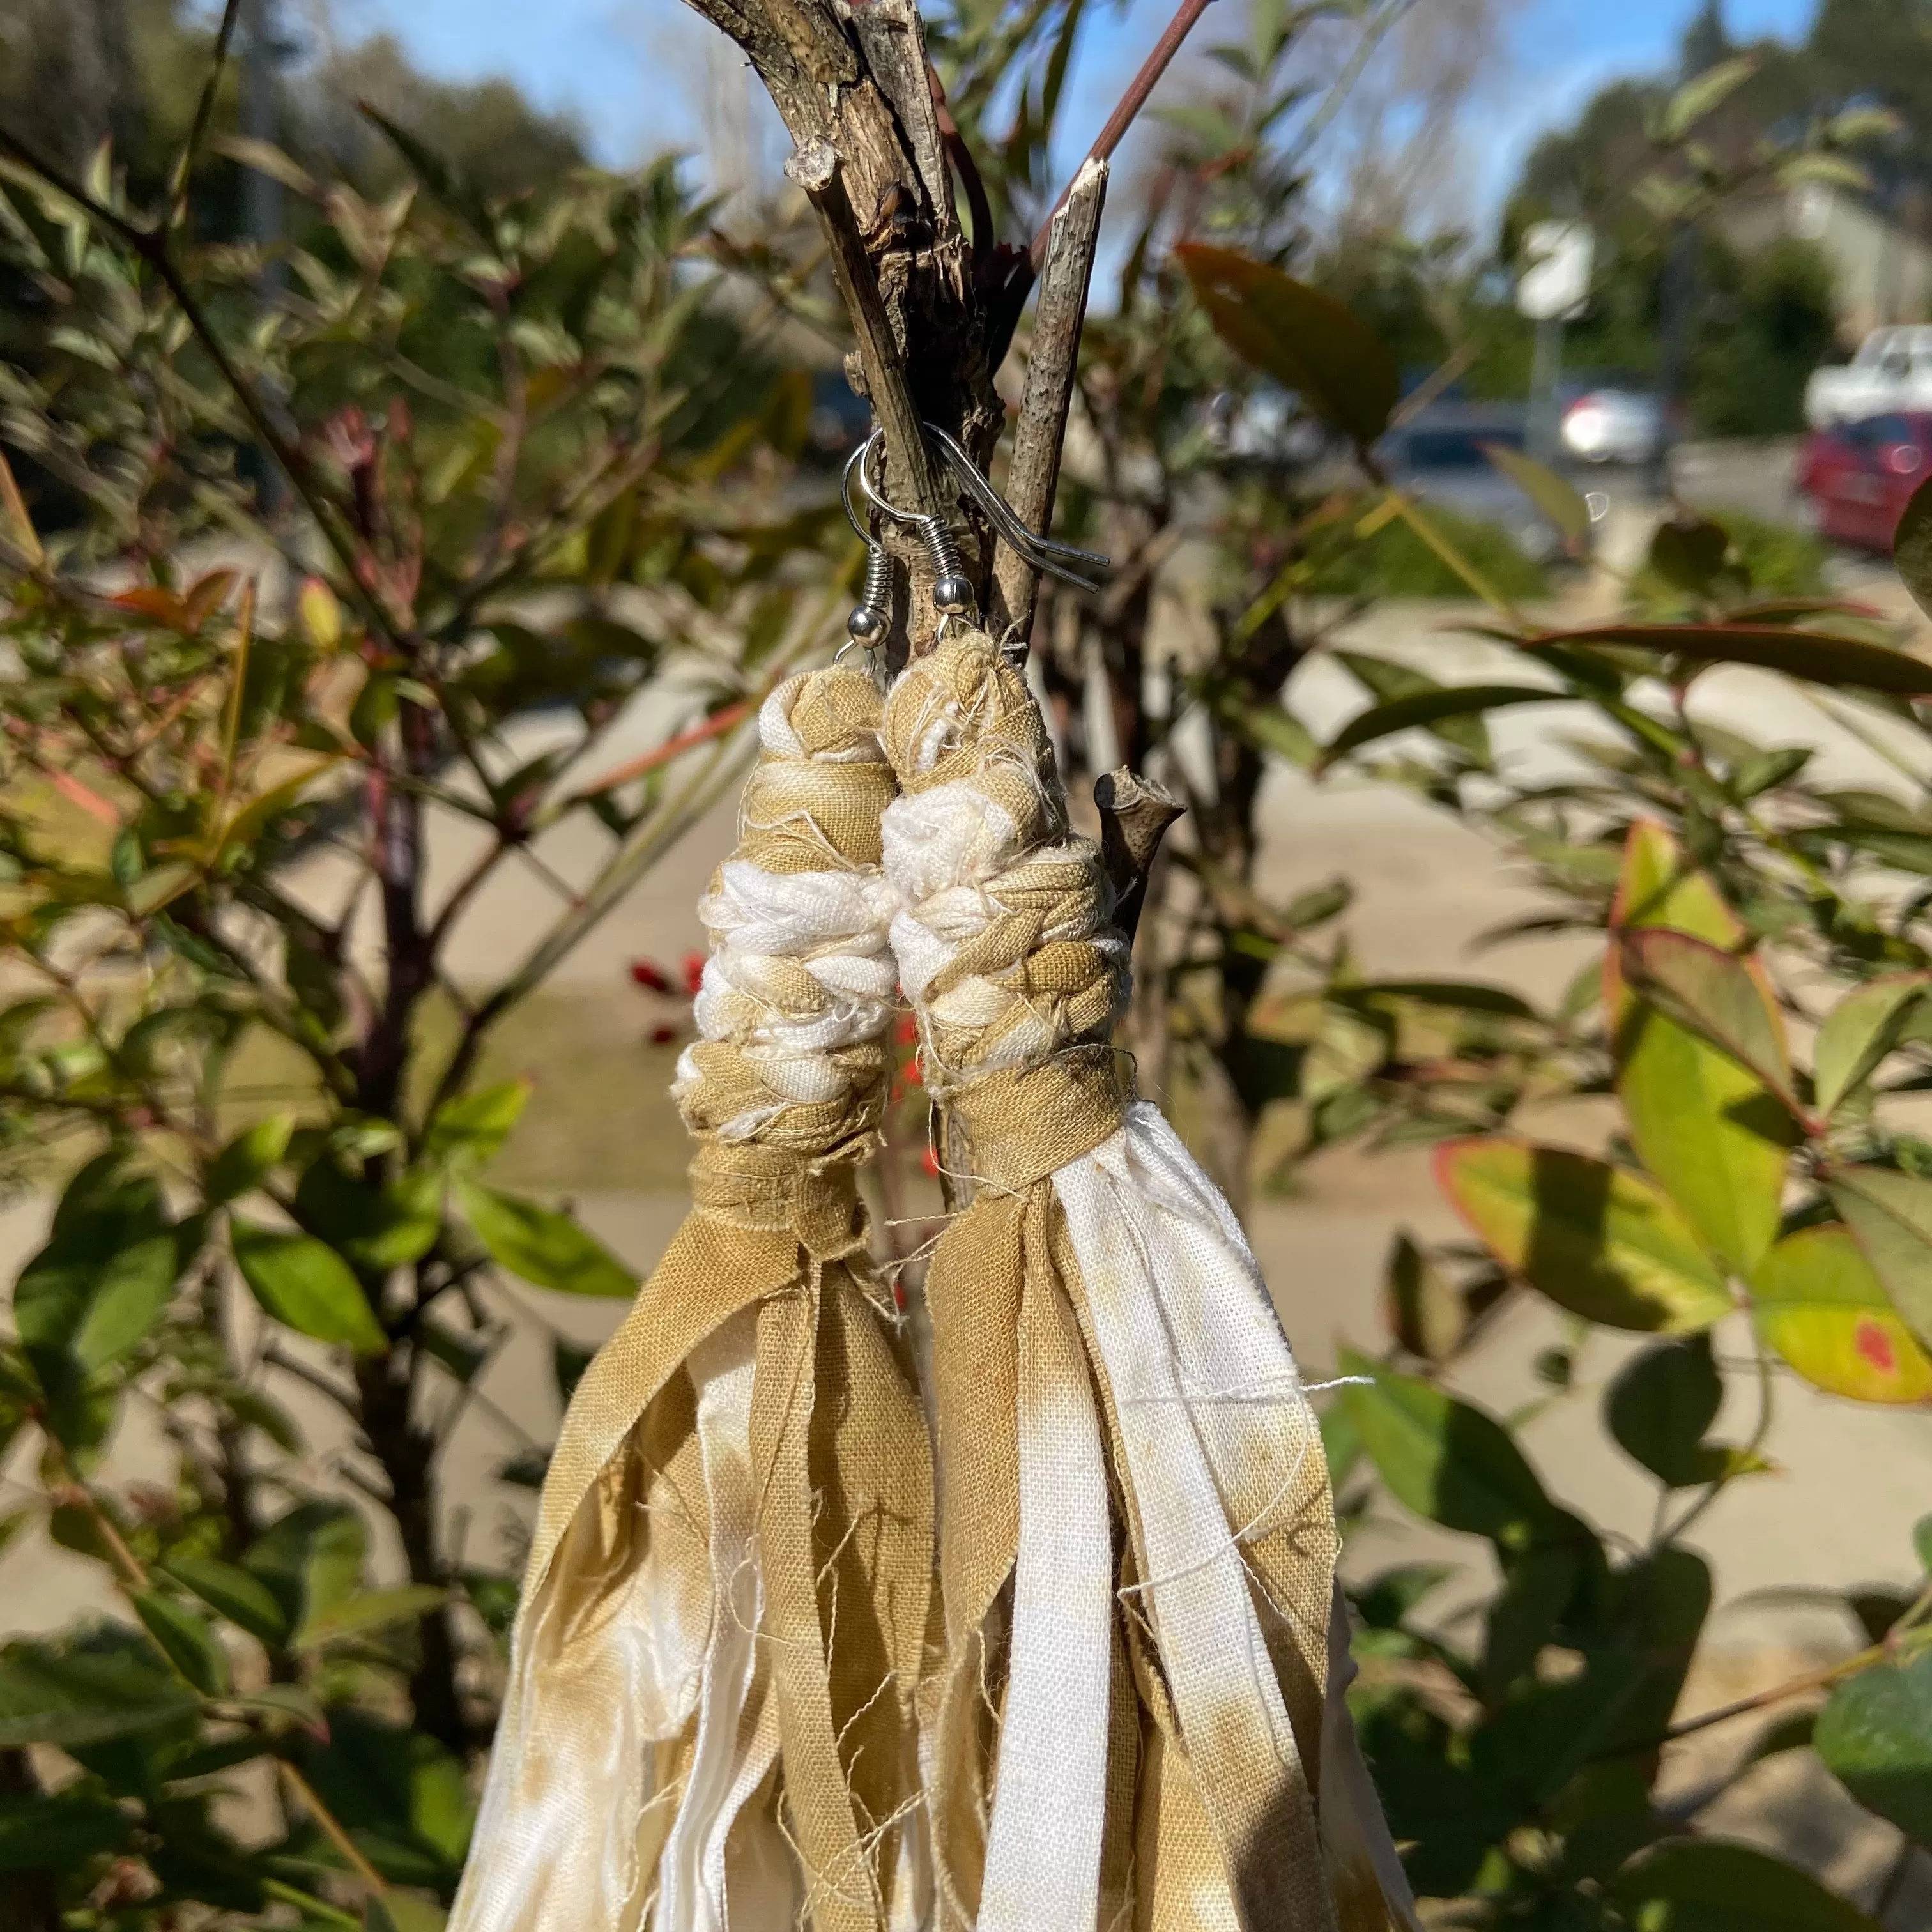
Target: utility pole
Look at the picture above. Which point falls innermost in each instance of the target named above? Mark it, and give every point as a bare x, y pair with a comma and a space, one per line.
1545, 371
262, 205
262, 194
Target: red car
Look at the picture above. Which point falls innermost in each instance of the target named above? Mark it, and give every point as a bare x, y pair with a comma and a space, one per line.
1857, 477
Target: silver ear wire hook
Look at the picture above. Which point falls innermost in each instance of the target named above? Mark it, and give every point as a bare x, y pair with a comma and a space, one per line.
952, 588
1085, 569
871, 616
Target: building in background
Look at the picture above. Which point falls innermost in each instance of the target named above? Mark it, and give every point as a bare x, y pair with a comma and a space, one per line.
1881, 271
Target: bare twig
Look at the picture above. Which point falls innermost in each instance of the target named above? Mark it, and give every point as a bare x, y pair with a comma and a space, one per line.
1134, 814
1073, 234
304, 1794
727, 718
184, 167
964, 167
1124, 116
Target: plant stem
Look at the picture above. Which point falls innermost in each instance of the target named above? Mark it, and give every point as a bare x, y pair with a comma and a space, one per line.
1143, 84
304, 1795
204, 108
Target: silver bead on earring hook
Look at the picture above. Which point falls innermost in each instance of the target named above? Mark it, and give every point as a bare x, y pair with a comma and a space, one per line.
952, 588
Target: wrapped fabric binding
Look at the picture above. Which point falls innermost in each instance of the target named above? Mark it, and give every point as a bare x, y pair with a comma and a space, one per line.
708, 1725
1135, 1720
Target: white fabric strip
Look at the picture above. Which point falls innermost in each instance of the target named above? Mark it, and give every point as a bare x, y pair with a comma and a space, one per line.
1050, 1800
542, 1858
763, 927
731, 1759
1200, 1372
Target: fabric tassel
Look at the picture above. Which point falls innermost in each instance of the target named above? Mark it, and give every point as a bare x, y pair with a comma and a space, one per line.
1131, 1723
709, 1723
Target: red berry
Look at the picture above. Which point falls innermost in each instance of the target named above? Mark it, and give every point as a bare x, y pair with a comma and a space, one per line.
931, 1163
906, 1032
649, 975
694, 972
663, 1036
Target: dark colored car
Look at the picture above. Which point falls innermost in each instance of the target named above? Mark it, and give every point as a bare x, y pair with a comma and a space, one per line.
1857, 477
1441, 455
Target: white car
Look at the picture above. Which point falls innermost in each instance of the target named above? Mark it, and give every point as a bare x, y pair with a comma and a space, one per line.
1613, 426
1892, 374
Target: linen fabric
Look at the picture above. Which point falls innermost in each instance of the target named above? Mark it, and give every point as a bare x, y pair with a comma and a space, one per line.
1136, 1717
708, 1723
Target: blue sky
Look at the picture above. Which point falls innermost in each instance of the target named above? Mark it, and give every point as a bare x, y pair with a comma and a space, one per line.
630, 70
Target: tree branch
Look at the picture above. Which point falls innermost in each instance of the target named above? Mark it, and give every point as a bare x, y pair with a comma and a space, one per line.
816, 168
1073, 234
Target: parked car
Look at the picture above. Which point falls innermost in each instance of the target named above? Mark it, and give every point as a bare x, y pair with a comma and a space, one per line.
1856, 478
1441, 455
1614, 426
1891, 373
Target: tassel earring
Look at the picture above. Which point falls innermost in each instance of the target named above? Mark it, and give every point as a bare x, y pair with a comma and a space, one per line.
1136, 1719
709, 1723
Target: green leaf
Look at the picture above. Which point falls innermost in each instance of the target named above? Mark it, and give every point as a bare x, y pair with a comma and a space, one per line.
58, 1834
404, 1797
108, 1270
1661, 1405
244, 1600
1307, 341
1555, 496
1706, 1885
1443, 1459
374, 1228
1711, 1131
1767, 770
73, 1300
1537, 1586
474, 1127
266, 159
291, 1703
185, 1638
1912, 547
1816, 1300
1704, 93
1922, 1543
310, 1559
367, 1610
1421, 708
1688, 552
541, 1245
308, 1286
1858, 1033
1875, 1735
441, 177
1604, 1243
1890, 1214
107, 1684
1840, 662
1270, 728
1712, 993
247, 1159
1426, 1311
